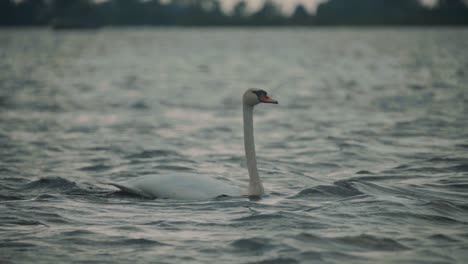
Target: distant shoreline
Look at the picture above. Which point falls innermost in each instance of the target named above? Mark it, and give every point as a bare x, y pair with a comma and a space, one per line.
230, 26
76, 15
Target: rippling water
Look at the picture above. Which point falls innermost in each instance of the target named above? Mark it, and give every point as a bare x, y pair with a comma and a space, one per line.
364, 160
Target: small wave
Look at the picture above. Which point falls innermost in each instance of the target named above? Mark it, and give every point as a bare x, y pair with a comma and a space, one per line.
421, 170
172, 168
335, 255
12, 244
414, 192
254, 244
433, 166
307, 237
51, 183
147, 154
340, 189
256, 217
9, 197
278, 260
82, 129
77, 233
361, 242
408, 217
399, 167
371, 243
51, 218
97, 168
364, 172
134, 242
45, 196
447, 160
279, 220
94, 238
381, 190
443, 238
456, 186
47, 188
459, 168
372, 178
409, 191
16, 220
445, 207
140, 105
316, 256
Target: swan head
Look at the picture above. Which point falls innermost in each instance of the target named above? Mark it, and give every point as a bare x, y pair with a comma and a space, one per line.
254, 96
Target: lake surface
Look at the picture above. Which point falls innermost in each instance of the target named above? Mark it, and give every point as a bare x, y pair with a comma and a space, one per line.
365, 159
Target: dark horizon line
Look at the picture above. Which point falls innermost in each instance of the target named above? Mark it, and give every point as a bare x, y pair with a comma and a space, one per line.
240, 26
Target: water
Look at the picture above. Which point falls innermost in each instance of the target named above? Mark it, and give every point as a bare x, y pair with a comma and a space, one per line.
364, 160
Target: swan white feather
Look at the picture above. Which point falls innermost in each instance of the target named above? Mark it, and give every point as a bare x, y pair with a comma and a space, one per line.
200, 187
182, 187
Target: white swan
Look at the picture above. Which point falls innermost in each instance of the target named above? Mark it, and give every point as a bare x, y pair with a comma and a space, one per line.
198, 187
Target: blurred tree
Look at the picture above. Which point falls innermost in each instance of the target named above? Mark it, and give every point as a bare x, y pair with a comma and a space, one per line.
7, 13
74, 14
155, 13
240, 10
368, 12
301, 16
240, 15
450, 12
127, 12
32, 12
396, 12
269, 14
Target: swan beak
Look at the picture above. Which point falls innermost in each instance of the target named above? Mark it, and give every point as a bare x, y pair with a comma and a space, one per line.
267, 99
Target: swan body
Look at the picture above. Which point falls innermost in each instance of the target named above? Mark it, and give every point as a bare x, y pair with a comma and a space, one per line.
182, 187
199, 187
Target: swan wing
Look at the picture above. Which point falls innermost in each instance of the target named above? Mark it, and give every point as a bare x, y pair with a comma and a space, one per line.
183, 187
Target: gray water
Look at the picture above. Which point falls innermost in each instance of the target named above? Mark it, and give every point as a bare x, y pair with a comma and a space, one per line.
363, 161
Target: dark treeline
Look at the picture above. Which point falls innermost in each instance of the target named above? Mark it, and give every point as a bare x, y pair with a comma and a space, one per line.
88, 13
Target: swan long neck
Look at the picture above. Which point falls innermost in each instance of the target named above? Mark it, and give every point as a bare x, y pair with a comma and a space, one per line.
255, 184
